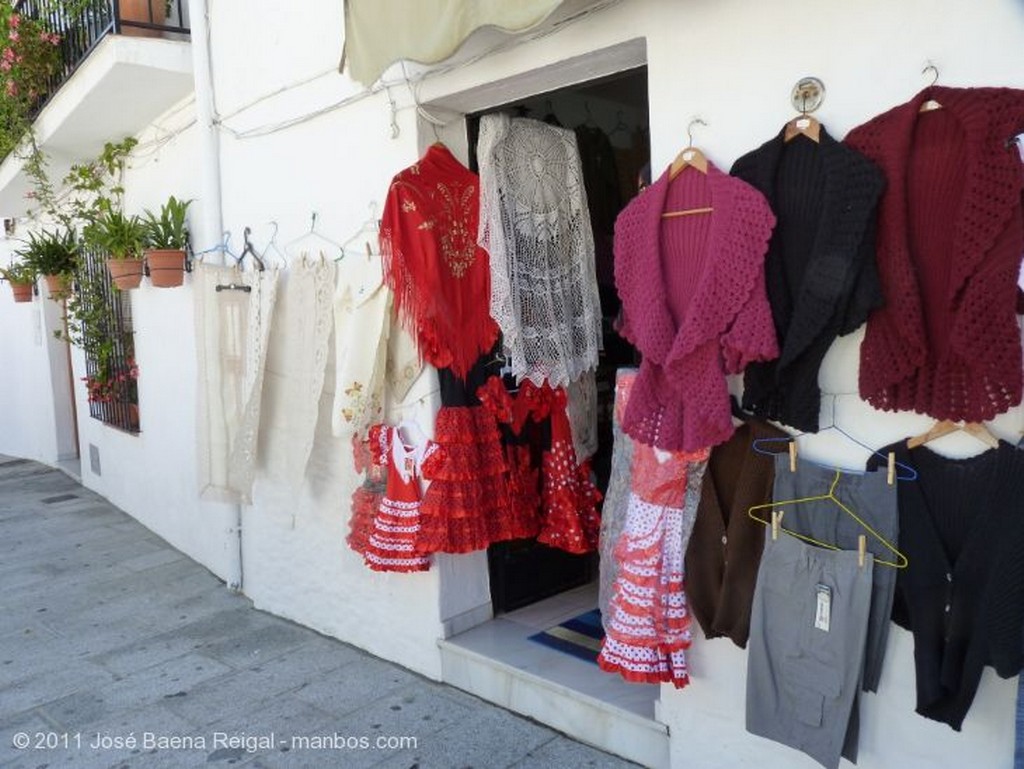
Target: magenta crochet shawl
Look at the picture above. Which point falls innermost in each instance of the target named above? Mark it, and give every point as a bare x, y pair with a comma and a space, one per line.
693, 302
950, 238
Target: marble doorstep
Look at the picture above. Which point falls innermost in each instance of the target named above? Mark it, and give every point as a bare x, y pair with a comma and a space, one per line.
496, 662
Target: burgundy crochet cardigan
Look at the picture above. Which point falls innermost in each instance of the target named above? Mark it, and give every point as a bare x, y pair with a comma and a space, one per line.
950, 239
693, 303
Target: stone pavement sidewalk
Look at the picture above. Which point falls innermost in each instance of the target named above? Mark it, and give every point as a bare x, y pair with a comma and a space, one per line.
110, 637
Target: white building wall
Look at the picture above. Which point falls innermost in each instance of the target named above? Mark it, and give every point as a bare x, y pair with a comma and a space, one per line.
733, 64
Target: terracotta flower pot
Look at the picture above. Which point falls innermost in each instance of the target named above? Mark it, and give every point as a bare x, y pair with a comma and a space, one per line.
126, 273
22, 292
57, 285
166, 267
138, 10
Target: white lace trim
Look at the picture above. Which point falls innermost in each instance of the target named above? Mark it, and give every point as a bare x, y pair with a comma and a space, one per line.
535, 226
233, 328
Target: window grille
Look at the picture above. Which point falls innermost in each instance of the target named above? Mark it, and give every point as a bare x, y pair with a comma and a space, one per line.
109, 344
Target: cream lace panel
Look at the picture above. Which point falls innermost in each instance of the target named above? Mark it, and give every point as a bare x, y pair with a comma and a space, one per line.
582, 410
232, 329
296, 364
375, 358
535, 226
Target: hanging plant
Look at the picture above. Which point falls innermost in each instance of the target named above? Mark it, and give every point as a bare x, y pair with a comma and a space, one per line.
22, 276
54, 255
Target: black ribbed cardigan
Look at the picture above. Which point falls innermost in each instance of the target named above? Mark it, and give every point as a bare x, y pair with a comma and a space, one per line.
962, 594
820, 269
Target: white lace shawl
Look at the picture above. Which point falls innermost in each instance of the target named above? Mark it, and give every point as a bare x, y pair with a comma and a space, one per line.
295, 369
232, 329
535, 225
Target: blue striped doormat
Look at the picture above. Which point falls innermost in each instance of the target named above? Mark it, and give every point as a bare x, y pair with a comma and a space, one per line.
580, 636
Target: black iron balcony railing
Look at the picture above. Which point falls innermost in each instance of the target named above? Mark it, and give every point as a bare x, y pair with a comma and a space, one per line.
84, 27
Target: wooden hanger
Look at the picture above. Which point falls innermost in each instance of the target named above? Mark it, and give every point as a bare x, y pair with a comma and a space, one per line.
930, 105
899, 559
690, 157
803, 125
947, 426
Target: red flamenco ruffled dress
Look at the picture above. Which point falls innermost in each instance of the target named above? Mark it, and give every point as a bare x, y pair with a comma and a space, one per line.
567, 503
469, 503
367, 496
392, 544
648, 629
571, 519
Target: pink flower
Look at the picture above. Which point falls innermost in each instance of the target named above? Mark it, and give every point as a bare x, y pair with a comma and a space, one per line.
54, 38
14, 36
8, 54
15, 20
5, 65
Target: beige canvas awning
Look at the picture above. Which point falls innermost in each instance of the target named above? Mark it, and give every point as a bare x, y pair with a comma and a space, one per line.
379, 33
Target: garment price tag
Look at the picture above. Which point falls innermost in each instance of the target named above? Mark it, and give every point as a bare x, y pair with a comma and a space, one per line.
823, 612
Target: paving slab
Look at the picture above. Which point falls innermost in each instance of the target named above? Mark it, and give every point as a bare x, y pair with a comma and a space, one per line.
118, 652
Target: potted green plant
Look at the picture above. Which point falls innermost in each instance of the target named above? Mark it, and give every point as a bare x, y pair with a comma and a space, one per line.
166, 242
22, 276
54, 255
121, 238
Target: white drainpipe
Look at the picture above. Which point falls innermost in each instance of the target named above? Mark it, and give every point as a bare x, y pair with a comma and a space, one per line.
207, 220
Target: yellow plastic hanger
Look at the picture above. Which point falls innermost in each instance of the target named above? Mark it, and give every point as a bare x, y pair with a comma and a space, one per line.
900, 561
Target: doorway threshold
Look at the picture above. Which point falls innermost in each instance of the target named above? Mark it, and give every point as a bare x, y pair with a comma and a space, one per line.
497, 662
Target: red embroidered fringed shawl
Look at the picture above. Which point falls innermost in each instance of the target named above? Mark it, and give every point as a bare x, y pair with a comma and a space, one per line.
439, 275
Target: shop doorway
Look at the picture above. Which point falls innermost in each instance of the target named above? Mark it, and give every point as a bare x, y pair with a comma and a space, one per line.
611, 120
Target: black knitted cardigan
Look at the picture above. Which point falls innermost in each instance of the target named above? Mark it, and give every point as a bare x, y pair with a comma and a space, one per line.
820, 269
962, 594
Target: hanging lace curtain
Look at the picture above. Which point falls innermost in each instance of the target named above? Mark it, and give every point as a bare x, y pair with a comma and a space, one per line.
535, 225
232, 329
295, 369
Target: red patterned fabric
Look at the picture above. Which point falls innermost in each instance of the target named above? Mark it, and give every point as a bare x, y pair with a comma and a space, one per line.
950, 238
439, 275
648, 627
571, 521
367, 496
392, 544
469, 504
693, 302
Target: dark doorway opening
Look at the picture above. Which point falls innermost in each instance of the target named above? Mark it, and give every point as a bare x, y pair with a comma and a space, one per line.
611, 120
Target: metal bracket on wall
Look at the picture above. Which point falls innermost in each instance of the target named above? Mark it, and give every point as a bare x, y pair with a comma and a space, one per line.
808, 95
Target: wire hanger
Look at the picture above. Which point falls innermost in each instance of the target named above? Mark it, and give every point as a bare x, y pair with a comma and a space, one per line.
900, 560
369, 231
930, 105
947, 426
248, 250
314, 234
909, 473
620, 125
813, 90
222, 247
272, 244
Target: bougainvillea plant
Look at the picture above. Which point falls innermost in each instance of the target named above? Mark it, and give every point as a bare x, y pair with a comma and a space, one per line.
29, 58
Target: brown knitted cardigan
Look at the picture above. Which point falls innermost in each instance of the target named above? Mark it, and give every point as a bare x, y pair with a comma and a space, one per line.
725, 547
950, 238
